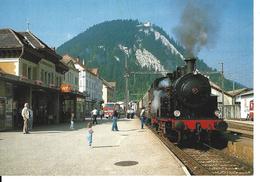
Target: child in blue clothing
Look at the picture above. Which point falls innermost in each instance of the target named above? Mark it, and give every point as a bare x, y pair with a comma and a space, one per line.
90, 133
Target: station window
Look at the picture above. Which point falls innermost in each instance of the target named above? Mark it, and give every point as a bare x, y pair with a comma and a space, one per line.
68, 77
76, 80
34, 74
52, 78
29, 73
24, 69
42, 75
45, 77
49, 78
57, 81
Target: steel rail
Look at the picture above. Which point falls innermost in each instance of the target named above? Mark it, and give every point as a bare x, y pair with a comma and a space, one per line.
206, 161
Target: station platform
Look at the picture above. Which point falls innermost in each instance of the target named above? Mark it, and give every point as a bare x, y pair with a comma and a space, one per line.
246, 128
57, 150
247, 122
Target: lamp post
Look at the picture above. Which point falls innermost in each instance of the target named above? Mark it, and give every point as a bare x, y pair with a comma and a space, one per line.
222, 85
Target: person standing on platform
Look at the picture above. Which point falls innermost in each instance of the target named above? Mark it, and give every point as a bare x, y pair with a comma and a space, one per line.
25, 115
114, 121
94, 115
142, 115
30, 119
72, 121
90, 133
101, 113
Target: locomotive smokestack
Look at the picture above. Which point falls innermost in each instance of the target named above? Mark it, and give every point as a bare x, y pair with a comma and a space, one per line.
190, 64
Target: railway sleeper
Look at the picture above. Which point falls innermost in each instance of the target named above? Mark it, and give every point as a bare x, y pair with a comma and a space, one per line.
229, 168
230, 174
216, 165
229, 171
216, 160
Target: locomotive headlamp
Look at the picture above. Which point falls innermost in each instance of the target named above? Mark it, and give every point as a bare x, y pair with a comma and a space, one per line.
217, 113
177, 113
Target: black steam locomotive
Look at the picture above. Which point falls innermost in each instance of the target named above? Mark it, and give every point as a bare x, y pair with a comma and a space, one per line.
181, 106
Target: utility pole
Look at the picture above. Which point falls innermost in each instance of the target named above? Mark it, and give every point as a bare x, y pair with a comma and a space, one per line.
222, 85
233, 101
233, 92
126, 85
28, 25
126, 75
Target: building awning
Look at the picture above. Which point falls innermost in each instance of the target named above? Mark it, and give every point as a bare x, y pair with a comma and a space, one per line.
19, 80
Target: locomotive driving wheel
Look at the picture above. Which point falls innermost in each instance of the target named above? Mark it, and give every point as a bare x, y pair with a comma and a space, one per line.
174, 136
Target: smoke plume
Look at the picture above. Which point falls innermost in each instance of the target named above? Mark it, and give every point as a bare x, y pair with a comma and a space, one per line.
198, 27
156, 103
164, 83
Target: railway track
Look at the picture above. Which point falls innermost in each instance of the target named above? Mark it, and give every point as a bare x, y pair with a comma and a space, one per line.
205, 160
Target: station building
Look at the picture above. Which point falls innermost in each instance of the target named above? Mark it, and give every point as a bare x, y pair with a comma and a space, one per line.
72, 95
238, 104
94, 89
108, 91
32, 72
246, 101
90, 85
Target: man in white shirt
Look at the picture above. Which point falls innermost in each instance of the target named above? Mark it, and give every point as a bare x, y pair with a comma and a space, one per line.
25, 115
94, 115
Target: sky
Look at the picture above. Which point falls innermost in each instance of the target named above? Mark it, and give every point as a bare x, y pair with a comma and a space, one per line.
57, 21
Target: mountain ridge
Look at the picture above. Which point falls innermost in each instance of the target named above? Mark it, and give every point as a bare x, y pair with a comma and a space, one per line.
147, 48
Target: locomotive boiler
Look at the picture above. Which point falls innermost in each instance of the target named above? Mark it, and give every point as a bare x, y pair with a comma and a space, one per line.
181, 105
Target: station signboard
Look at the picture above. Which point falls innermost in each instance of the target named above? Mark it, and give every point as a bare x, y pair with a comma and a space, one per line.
65, 88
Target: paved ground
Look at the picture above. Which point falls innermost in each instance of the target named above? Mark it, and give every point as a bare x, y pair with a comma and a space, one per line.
56, 150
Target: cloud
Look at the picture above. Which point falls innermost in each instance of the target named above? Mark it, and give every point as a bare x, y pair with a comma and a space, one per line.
68, 36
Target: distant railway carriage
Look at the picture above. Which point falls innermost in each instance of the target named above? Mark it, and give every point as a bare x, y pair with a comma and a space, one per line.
181, 106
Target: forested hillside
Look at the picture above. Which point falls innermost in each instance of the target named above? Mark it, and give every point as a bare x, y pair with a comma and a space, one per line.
148, 47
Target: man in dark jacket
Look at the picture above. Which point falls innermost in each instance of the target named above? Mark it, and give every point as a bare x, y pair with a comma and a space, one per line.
114, 120
142, 115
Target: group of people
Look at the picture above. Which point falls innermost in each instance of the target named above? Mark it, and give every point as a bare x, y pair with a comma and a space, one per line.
90, 124
94, 114
114, 124
27, 115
